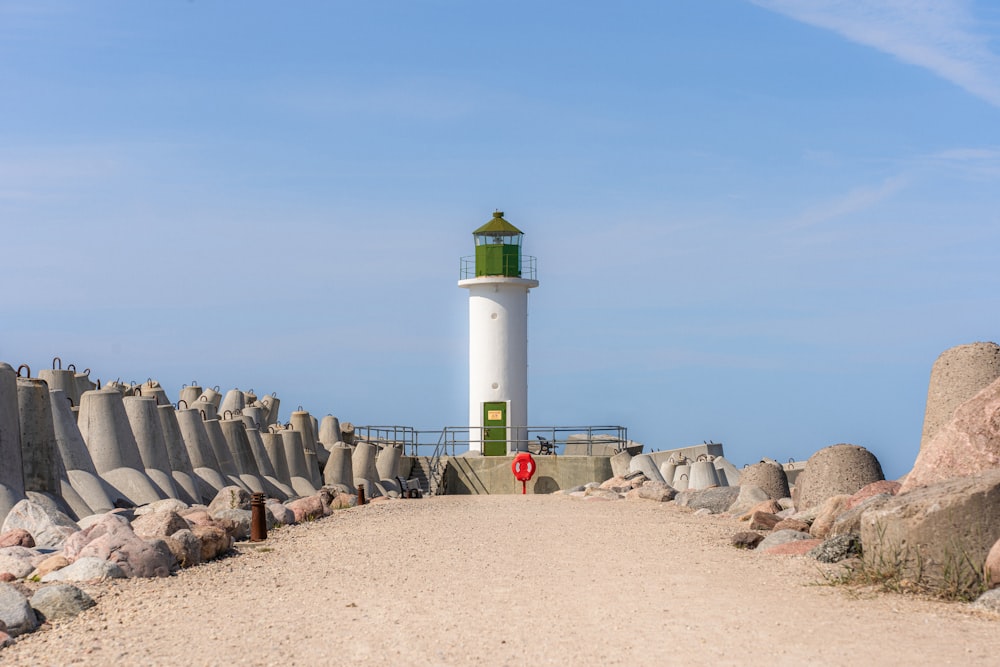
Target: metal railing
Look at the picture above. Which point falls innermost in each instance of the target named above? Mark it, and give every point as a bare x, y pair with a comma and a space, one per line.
527, 271
454, 440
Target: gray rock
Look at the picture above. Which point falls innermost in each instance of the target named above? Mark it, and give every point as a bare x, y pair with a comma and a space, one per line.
242, 520
750, 496
158, 524
48, 527
231, 497
780, 537
87, 568
113, 539
19, 567
656, 491
185, 546
849, 522
168, 505
837, 549
578, 487
988, 601
716, 500
15, 611
60, 601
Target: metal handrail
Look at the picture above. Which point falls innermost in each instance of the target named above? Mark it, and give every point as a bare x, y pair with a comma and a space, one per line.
448, 440
528, 270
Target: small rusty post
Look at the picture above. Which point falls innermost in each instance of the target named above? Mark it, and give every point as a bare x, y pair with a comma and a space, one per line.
258, 520
361, 494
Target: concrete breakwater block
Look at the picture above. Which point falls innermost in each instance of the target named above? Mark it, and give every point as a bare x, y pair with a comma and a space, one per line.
105, 429
339, 468
227, 466
145, 424
199, 449
768, 476
271, 405
234, 401
275, 449
644, 463
835, 470
188, 394
299, 478
363, 466
329, 431
387, 461
181, 469
729, 475
11, 472
80, 470
703, 475
274, 487
302, 422
956, 376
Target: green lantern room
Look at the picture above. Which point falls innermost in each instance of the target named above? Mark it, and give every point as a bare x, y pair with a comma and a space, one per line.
498, 248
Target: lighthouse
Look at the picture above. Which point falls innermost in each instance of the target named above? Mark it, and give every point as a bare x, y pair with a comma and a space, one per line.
498, 278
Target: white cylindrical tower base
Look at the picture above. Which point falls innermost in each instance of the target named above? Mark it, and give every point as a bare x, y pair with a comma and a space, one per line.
498, 356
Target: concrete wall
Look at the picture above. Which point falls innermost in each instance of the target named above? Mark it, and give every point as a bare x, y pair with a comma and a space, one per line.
692, 452
491, 475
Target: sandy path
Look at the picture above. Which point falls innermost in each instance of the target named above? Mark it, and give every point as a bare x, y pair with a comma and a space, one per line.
507, 580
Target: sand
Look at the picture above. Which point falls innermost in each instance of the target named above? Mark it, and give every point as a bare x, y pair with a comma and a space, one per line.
507, 580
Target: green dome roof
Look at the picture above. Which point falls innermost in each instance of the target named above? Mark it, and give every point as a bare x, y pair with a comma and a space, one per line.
498, 227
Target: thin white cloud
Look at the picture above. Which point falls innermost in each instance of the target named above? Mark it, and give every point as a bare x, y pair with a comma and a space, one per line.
852, 202
939, 35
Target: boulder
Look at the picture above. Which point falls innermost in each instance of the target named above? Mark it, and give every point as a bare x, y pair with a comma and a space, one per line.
18, 537
167, 505
215, 541
763, 521
780, 537
659, 492
15, 611
60, 601
281, 515
792, 524
835, 470
50, 564
112, 539
601, 494
185, 546
837, 549
768, 506
308, 508
937, 536
967, 444
988, 601
239, 522
716, 500
746, 540
828, 512
19, 568
87, 568
768, 476
159, 524
884, 487
231, 497
341, 501
793, 548
749, 497
849, 522
48, 527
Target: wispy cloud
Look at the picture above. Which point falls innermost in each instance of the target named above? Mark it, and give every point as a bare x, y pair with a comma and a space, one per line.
853, 201
940, 35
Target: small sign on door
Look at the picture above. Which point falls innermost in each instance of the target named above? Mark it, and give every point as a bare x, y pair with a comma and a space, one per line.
494, 415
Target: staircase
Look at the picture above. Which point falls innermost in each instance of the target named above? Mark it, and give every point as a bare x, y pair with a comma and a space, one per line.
429, 474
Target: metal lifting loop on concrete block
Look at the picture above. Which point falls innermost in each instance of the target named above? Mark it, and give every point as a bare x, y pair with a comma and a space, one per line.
203, 397
26, 367
228, 414
98, 383
70, 399
179, 401
54, 360
137, 390
204, 417
71, 367
216, 388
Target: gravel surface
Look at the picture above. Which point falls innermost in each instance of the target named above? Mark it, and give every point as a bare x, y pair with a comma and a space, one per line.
507, 580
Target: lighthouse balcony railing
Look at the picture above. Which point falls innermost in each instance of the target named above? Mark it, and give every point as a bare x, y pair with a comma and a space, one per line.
526, 268
455, 440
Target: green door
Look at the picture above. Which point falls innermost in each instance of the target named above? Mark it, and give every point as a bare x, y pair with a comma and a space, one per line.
494, 429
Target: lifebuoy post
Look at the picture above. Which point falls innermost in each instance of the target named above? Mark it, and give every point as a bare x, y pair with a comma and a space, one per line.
523, 468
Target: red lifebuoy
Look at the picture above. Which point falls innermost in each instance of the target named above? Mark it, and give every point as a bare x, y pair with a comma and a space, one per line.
523, 467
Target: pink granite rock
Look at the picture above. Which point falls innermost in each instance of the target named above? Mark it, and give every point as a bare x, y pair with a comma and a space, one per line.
113, 540
967, 444
873, 489
792, 524
50, 564
768, 507
992, 566
828, 512
308, 508
796, 548
18, 537
159, 524
214, 541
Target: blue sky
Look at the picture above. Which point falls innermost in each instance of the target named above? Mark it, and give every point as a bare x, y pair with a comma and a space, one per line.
755, 222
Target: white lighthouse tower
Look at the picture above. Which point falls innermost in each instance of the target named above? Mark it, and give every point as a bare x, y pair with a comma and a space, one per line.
498, 279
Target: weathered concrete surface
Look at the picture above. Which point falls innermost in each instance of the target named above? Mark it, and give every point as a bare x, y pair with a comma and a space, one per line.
835, 470
767, 476
957, 375
492, 474
11, 472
